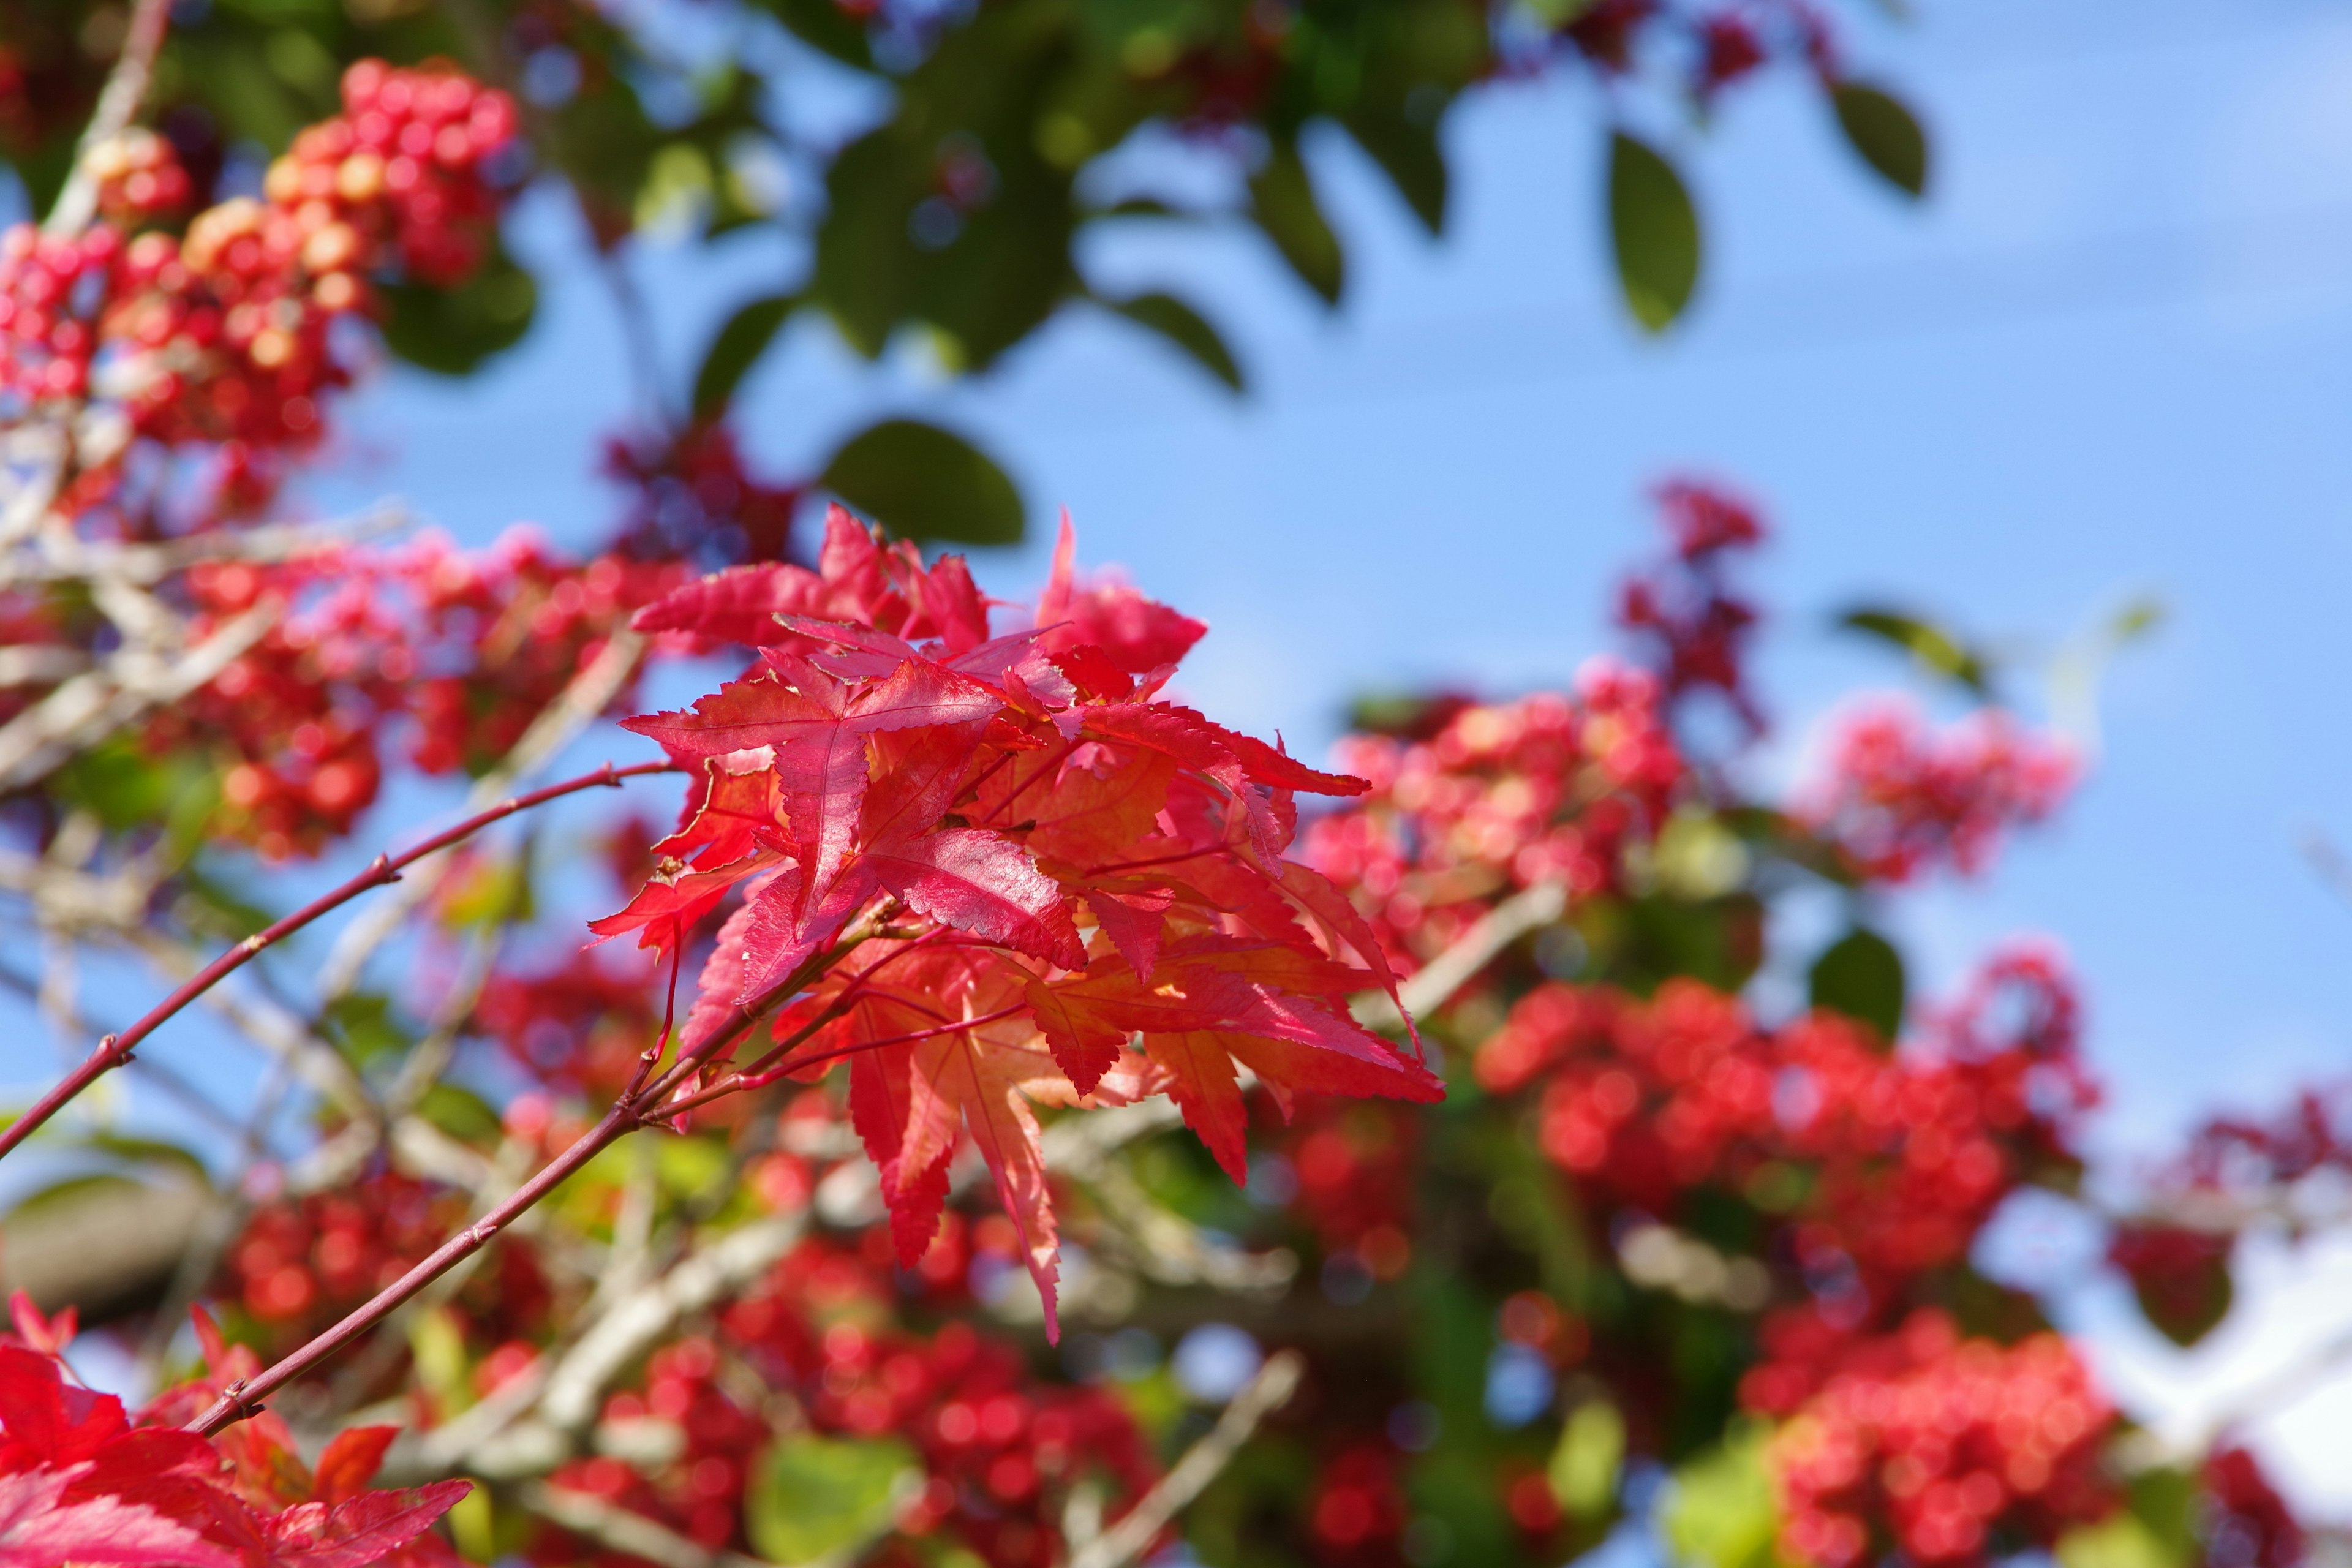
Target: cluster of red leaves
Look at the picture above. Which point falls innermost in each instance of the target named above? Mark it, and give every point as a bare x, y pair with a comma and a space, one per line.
1899, 798
1552, 787
1947, 1450
692, 498
83, 1484
223, 336
1073, 864
465, 647
1683, 615
1885, 1165
302, 1263
998, 1450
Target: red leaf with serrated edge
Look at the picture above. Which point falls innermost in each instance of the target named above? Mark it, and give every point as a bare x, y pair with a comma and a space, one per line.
978, 1079
46, 1421
916, 774
737, 605
1088, 801
1328, 904
1134, 922
953, 607
731, 803
786, 928
981, 882
1207, 1089
879, 1091
48, 1335
720, 984
360, 1533
1136, 633
39, 1530
349, 1462
665, 909
1196, 742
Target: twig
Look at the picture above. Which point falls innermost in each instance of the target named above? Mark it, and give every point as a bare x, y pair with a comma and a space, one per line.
568, 1396
624, 1529
1264, 1394
115, 1049
1434, 984
97, 702
118, 102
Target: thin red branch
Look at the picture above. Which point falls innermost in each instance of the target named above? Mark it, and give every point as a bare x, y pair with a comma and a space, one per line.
115, 1049
641, 1102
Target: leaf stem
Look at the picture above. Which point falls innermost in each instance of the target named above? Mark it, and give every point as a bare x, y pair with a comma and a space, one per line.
115, 1049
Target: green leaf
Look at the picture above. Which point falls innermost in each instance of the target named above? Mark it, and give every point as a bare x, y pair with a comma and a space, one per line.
817, 1498
1721, 1512
922, 482
1186, 327
2156, 1527
1885, 132
1283, 203
1938, 650
1655, 229
452, 330
1407, 151
1861, 976
826, 27
736, 349
1585, 1465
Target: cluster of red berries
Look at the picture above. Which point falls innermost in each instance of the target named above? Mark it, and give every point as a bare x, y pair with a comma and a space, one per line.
50, 286
1717, 48
1886, 1164
139, 176
295, 715
404, 164
692, 498
502, 631
1959, 1450
1691, 628
467, 648
302, 1263
1357, 1510
1551, 787
221, 335
1899, 798
578, 1025
1356, 1162
810, 1348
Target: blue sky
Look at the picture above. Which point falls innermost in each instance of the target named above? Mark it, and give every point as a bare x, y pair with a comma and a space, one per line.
2110, 356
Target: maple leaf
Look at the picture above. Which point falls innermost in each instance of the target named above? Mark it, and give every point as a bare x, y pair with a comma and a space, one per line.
349, 1462
361, 1531
1135, 633
983, 1078
980, 882
736, 605
39, 1530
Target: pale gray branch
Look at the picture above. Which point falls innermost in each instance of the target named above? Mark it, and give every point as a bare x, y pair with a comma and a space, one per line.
1127, 1539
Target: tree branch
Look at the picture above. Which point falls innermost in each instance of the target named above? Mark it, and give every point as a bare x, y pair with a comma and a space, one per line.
1127, 1539
115, 1049
118, 103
